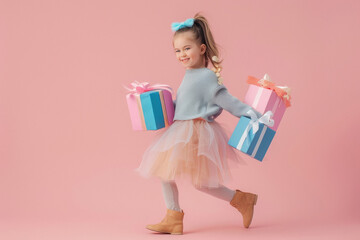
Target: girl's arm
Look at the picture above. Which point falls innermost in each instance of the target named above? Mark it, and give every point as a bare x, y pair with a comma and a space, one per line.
225, 100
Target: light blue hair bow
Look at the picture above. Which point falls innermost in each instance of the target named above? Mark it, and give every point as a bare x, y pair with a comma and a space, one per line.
178, 25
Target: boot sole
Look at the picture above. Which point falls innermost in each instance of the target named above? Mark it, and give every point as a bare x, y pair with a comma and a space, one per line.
164, 232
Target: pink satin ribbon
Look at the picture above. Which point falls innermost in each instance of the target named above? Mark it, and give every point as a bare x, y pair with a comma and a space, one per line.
280, 91
138, 87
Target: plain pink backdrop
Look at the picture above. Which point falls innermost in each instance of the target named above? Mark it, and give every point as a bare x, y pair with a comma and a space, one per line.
68, 152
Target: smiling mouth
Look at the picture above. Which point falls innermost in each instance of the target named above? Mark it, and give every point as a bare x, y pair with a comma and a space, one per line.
185, 60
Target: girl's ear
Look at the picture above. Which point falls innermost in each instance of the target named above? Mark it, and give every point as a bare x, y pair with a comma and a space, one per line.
202, 49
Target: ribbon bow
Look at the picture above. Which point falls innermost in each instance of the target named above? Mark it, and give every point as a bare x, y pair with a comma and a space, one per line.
178, 25
265, 82
265, 119
254, 124
138, 87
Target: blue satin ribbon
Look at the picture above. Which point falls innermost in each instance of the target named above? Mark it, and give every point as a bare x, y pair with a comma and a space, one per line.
178, 25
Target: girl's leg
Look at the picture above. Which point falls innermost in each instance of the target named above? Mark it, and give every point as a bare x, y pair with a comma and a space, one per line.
173, 220
171, 195
243, 201
221, 192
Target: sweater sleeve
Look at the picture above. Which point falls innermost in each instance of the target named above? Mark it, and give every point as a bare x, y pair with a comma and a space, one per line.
225, 100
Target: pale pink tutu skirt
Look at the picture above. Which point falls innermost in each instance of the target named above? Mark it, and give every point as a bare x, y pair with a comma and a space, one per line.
194, 148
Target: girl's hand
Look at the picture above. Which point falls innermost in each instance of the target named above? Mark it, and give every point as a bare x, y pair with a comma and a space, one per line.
258, 114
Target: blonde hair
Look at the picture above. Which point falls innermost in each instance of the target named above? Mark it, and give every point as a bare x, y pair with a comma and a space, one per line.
203, 35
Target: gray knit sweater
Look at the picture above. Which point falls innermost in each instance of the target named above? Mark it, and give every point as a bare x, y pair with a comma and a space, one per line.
200, 95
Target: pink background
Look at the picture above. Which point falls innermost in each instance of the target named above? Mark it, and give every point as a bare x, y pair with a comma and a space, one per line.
67, 149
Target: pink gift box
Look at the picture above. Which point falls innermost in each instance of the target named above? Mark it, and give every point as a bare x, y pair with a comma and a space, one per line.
263, 100
136, 110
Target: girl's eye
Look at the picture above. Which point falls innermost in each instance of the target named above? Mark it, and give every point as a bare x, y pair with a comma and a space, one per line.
187, 48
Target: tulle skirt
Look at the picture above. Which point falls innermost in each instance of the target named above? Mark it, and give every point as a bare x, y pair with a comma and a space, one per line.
195, 149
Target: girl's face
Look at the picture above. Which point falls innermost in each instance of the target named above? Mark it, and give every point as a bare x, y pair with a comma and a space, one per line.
188, 51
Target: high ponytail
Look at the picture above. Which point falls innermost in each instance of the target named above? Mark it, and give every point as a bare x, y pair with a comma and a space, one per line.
203, 35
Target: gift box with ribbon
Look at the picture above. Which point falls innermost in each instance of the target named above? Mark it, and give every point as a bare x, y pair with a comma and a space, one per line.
264, 95
253, 135
150, 106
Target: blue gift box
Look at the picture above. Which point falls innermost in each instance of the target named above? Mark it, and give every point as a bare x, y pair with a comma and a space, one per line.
152, 110
252, 144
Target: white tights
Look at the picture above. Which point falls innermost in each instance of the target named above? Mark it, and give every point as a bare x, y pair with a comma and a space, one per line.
171, 194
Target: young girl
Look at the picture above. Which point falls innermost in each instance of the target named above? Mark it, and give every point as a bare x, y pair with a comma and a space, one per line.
195, 145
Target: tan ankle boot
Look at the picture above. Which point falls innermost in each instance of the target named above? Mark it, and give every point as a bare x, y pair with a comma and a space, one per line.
244, 202
172, 223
